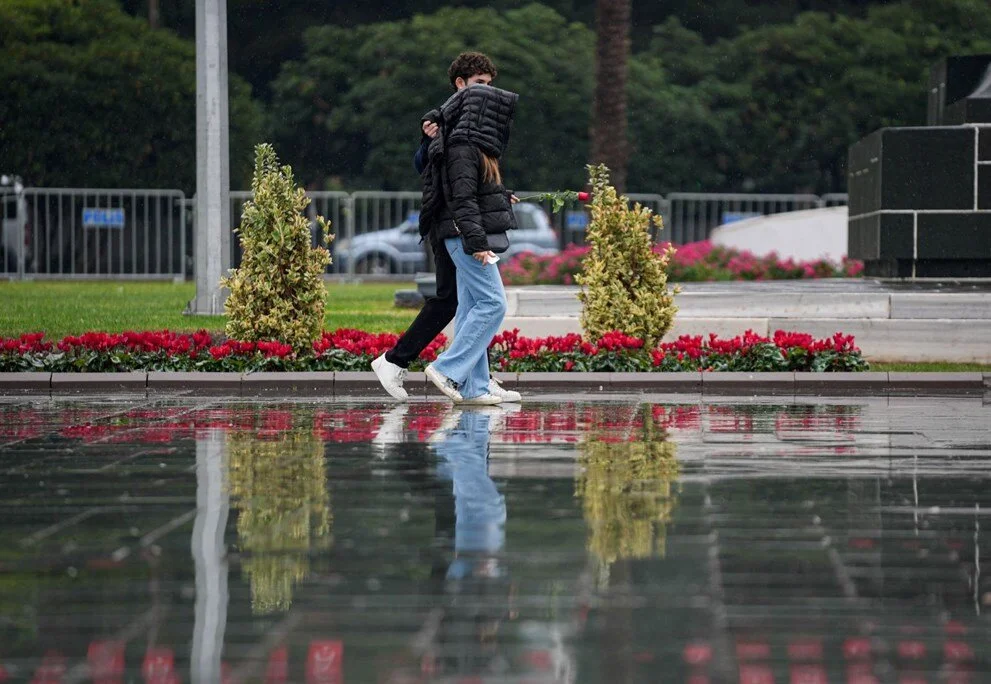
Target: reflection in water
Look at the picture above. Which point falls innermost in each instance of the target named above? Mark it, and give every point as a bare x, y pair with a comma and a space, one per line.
478, 592
279, 486
209, 558
475, 588
815, 541
624, 482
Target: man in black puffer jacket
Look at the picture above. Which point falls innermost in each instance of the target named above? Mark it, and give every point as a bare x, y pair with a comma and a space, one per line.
470, 68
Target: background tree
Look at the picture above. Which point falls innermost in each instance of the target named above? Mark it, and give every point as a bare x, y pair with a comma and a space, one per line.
94, 97
726, 95
349, 112
263, 35
612, 53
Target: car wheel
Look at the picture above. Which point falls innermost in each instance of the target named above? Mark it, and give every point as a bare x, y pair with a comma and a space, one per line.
374, 264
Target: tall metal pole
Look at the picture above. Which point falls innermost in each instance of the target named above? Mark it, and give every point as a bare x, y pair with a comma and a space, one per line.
212, 239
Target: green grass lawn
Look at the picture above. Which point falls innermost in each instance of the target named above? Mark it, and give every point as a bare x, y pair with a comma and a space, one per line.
932, 367
62, 308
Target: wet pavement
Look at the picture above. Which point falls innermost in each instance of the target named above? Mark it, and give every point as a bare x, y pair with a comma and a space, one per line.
636, 539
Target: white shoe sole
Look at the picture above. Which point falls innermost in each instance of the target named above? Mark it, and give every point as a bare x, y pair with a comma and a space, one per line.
397, 392
507, 396
440, 382
484, 400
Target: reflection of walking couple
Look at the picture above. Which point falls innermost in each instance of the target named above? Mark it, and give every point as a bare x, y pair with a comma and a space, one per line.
466, 215
476, 587
475, 630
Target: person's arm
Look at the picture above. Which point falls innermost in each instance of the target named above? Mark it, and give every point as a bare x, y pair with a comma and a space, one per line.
429, 127
462, 175
420, 158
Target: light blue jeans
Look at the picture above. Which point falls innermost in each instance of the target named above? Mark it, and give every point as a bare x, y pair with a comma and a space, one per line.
481, 308
479, 507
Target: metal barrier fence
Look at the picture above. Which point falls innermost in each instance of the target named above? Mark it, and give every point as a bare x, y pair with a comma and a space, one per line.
570, 223
835, 199
693, 215
87, 233
333, 206
382, 236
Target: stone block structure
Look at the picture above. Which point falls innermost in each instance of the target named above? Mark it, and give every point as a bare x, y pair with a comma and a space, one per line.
920, 197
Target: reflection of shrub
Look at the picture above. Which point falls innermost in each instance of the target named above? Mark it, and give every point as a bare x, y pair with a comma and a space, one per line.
280, 490
625, 487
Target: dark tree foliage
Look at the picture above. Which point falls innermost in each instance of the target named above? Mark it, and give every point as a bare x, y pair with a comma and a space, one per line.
264, 34
771, 109
349, 112
92, 97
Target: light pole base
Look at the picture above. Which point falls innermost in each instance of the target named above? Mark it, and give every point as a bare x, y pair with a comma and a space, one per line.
209, 304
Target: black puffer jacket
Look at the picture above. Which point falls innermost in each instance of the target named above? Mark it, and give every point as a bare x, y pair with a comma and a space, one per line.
456, 199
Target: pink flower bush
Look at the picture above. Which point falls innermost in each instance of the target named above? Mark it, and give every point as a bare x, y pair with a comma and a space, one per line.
693, 262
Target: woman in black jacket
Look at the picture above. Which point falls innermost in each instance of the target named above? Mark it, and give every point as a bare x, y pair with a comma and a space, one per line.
466, 206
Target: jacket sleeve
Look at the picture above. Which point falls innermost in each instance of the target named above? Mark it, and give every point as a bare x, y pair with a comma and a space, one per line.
463, 164
420, 158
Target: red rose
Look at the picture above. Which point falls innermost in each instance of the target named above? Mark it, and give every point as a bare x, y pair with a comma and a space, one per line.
584, 196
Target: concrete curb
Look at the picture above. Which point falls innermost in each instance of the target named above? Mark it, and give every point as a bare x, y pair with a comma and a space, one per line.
134, 381
347, 383
318, 383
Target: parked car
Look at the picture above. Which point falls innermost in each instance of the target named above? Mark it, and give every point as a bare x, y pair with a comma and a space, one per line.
398, 250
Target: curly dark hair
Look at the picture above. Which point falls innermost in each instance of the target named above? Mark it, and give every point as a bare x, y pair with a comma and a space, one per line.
469, 64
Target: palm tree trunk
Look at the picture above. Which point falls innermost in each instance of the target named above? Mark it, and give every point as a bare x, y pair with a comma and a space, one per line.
612, 50
154, 16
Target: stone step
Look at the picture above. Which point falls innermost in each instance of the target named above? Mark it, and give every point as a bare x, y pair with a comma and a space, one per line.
563, 302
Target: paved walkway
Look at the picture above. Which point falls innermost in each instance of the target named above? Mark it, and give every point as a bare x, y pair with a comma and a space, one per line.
774, 539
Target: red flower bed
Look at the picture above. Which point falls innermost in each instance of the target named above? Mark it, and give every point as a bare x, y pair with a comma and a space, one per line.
693, 262
347, 349
616, 352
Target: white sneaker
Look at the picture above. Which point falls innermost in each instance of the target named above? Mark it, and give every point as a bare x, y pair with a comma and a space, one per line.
450, 421
447, 386
391, 431
391, 376
486, 399
509, 396
498, 414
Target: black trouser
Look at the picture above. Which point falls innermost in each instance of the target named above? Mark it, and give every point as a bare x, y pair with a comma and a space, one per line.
435, 314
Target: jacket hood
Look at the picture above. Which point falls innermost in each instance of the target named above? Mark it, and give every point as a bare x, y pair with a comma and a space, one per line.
480, 115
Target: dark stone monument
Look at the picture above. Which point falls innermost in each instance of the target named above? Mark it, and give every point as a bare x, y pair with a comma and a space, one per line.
920, 197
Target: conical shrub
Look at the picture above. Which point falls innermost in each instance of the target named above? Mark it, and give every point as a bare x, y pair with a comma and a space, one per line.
624, 281
278, 292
